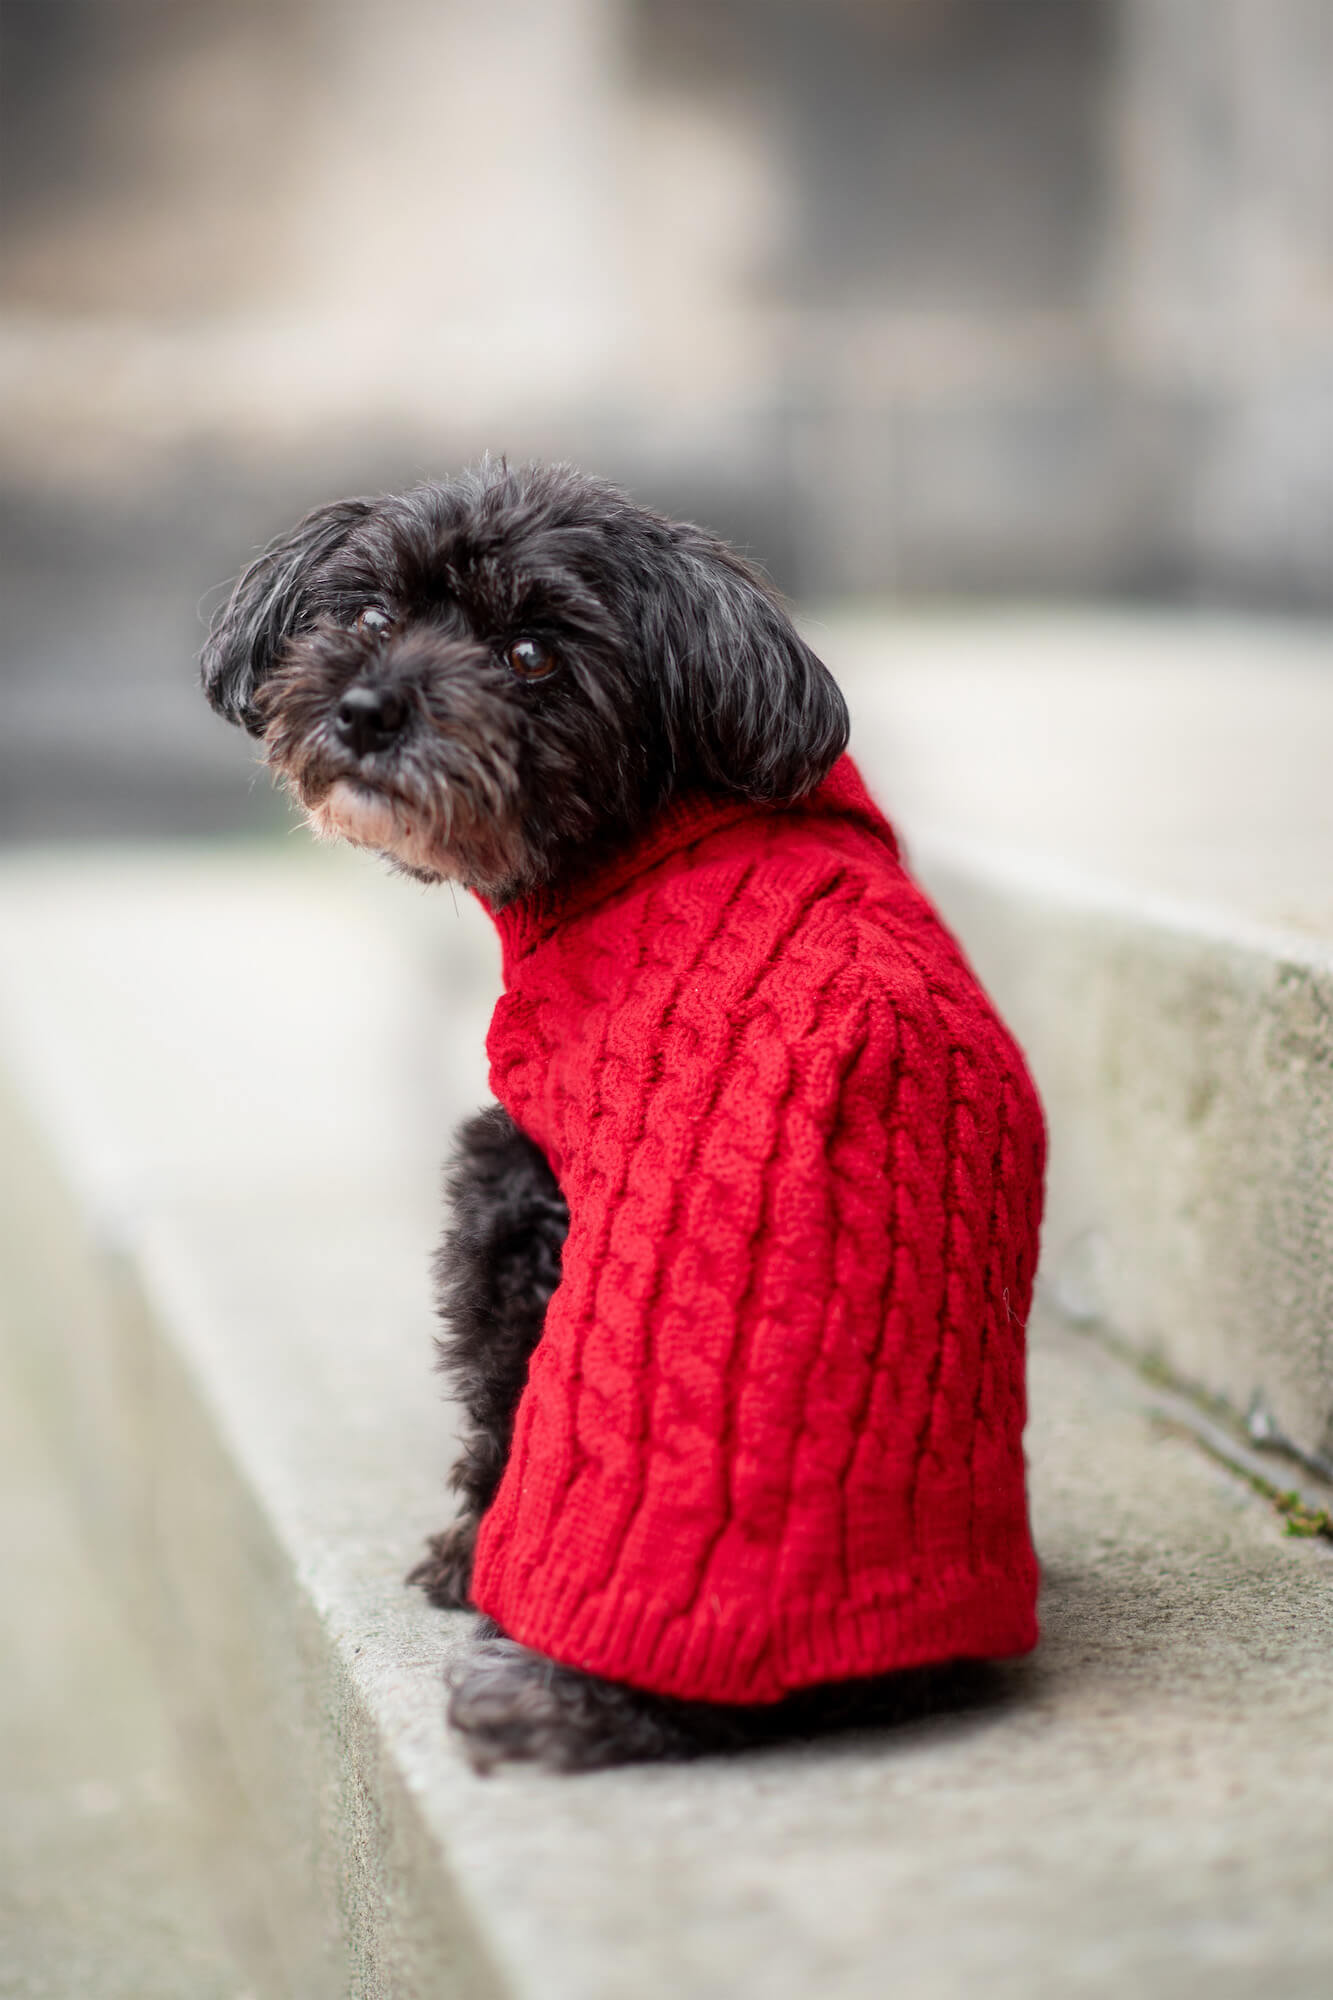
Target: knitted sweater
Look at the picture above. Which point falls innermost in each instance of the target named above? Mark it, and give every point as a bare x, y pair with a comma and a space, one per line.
772, 1431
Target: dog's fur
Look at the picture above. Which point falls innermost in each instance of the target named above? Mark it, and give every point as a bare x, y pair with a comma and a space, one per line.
499, 681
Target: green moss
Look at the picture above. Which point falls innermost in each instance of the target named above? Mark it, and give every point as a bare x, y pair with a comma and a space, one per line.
1303, 1520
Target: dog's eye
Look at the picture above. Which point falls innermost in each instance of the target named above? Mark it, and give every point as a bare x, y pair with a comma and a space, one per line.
531, 660
372, 623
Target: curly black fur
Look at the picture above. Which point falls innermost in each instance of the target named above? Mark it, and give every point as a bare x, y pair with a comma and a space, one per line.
674, 664
376, 649
495, 1270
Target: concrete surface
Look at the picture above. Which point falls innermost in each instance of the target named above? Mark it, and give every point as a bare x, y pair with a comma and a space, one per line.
227, 1082
103, 1891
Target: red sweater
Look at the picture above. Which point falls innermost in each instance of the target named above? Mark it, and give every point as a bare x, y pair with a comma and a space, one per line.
772, 1433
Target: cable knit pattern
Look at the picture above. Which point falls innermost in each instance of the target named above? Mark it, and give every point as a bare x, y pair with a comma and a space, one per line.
772, 1433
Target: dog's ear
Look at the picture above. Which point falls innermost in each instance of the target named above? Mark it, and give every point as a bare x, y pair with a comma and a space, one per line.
266, 607
749, 706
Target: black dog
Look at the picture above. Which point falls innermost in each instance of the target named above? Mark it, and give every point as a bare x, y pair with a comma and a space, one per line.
499, 682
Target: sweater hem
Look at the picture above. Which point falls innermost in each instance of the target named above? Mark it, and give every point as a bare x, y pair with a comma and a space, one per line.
749, 1657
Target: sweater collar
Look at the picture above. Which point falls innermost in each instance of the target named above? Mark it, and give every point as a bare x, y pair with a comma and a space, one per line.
525, 921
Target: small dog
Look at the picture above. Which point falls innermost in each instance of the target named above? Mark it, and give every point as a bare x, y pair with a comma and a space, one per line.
524, 683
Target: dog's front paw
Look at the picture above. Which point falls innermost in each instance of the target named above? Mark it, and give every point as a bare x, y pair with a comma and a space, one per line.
445, 1573
509, 1703
506, 1702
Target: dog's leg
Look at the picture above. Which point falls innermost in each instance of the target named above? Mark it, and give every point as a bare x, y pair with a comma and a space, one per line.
495, 1271
508, 1702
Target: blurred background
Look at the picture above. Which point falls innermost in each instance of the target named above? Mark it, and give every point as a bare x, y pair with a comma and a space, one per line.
911, 298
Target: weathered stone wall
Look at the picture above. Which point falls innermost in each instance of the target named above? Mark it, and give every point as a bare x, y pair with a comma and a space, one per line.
969, 295
1218, 296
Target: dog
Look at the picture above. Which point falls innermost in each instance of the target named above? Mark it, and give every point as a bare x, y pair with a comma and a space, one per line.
735, 1271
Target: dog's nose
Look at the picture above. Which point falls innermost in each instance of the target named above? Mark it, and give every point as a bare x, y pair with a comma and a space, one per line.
369, 716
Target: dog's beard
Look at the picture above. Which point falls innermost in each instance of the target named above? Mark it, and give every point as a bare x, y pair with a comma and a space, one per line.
351, 811
436, 837
428, 824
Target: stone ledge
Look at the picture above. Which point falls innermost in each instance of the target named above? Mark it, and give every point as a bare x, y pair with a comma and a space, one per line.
219, 1194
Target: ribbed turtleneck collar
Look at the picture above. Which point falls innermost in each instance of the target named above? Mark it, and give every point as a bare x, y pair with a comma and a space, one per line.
683, 823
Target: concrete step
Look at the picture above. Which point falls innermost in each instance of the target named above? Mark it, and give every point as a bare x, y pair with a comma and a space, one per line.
103, 1870
227, 1080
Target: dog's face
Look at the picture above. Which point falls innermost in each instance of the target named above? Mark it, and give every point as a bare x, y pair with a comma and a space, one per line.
495, 680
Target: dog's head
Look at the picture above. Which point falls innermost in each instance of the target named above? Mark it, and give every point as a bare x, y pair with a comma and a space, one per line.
492, 681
